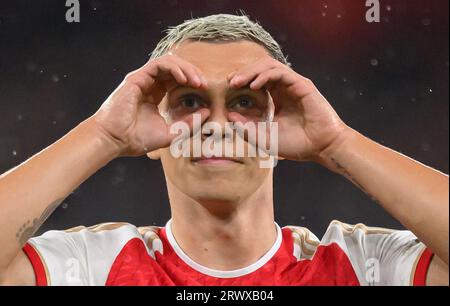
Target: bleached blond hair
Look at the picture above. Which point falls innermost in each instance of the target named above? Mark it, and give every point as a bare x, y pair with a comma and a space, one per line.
219, 28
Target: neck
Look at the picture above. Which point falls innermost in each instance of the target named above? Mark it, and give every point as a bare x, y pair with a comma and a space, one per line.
224, 235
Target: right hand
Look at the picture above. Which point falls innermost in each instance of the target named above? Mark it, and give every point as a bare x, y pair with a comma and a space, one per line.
130, 116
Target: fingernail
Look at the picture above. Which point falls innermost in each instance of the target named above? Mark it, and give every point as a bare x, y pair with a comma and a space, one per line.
197, 81
236, 80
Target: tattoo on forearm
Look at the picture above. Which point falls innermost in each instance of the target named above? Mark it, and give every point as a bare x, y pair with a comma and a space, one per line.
351, 178
27, 230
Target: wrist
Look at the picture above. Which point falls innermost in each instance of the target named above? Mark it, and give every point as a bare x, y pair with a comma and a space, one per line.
336, 148
110, 147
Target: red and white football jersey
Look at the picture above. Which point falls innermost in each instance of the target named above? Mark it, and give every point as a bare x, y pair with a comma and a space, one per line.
122, 254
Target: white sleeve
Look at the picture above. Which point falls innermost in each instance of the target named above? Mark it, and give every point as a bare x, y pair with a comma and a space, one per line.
381, 256
79, 256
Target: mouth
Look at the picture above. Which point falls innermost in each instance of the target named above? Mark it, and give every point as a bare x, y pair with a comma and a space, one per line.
216, 161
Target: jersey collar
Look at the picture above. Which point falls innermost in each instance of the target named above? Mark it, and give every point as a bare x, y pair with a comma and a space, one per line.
223, 274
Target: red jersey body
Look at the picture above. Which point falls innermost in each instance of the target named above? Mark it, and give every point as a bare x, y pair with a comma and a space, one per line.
120, 254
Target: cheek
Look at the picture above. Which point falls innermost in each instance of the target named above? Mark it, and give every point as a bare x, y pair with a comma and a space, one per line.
168, 161
253, 173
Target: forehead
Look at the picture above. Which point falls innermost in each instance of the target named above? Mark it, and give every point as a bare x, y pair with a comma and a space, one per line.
219, 58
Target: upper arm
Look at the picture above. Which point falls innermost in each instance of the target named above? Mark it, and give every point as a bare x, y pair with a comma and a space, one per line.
20, 272
437, 273
382, 256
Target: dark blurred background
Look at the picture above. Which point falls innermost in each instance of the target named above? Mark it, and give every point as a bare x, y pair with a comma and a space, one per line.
388, 80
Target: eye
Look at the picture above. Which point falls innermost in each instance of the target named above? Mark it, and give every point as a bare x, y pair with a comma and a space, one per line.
243, 103
191, 101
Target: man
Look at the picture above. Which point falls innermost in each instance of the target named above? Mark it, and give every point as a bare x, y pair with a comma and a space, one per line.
223, 68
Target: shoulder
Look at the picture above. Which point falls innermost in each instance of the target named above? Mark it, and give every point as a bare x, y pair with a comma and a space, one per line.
305, 242
351, 229
117, 233
98, 239
112, 233
347, 237
87, 252
361, 235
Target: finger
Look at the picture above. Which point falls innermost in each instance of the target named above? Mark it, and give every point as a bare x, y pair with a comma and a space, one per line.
200, 75
194, 79
193, 122
158, 90
183, 72
256, 134
248, 73
178, 74
270, 76
161, 69
231, 75
193, 73
298, 85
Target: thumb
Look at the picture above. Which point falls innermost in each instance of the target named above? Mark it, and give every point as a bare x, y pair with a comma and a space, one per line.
262, 135
189, 125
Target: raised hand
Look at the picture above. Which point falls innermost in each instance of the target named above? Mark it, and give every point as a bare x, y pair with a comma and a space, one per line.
130, 116
307, 124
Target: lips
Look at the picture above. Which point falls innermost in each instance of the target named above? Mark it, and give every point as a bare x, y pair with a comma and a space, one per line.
216, 160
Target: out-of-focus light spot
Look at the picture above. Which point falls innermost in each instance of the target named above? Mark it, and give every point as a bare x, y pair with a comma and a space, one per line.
64, 205
425, 146
426, 21
19, 117
430, 90
55, 78
14, 153
324, 14
54, 122
388, 8
116, 180
339, 16
374, 62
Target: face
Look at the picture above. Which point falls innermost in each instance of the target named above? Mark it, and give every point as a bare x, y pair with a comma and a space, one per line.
230, 180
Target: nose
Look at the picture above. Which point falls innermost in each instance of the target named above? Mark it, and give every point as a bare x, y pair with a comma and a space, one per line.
218, 116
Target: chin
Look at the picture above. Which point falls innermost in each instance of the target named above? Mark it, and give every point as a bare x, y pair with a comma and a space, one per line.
216, 200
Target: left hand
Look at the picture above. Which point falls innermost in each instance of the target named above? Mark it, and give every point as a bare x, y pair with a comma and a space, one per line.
307, 124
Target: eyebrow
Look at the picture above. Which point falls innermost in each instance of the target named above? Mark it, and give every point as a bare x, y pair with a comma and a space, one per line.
262, 90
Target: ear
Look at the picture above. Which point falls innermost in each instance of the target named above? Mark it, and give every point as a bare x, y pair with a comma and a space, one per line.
155, 155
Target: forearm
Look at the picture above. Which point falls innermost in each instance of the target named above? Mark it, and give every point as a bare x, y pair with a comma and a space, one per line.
414, 194
30, 192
